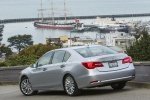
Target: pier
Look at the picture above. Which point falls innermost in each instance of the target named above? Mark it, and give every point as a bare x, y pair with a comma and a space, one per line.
73, 17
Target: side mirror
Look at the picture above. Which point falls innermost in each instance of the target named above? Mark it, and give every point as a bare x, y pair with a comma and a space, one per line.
33, 65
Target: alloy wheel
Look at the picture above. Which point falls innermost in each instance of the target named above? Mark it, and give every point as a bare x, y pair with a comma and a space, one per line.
69, 85
26, 88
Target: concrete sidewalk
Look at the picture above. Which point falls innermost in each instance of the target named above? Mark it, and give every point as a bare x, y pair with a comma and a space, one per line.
139, 84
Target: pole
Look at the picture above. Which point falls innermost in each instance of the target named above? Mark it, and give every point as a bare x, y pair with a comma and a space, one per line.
53, 20
42, 10
70, 38
65, 15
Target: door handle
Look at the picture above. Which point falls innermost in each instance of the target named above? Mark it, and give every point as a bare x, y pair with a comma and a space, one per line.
44, 69
62, 66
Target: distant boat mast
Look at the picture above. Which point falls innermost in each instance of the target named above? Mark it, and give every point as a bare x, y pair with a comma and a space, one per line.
52, 10
41, 10
65, 14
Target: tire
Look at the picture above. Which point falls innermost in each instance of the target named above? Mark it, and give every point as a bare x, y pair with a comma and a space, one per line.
26, 87
70, 86
118, 86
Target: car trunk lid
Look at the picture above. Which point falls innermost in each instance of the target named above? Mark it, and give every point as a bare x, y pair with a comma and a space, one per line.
111, 62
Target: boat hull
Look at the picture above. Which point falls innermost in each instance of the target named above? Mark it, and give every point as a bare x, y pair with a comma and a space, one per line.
107, 30
56, 26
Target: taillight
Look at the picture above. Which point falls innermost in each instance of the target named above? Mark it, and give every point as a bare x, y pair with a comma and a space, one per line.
92, 65
127, 60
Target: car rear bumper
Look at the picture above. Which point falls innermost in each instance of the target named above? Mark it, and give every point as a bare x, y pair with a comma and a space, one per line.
103, 78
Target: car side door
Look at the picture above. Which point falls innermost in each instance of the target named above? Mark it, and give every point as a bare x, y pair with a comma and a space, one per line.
56, 69
55, 72
38, 77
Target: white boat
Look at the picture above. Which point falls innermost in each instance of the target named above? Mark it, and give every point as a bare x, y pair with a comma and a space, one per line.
108, 24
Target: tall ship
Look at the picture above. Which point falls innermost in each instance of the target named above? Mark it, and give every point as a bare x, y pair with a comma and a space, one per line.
64, 25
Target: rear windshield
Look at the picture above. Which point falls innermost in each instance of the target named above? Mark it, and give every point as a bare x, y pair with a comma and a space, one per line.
95, 51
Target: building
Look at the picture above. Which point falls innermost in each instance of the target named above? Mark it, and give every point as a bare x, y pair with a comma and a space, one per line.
75, 41
52, 40
119, 39
64, 38
85, 40
101, 41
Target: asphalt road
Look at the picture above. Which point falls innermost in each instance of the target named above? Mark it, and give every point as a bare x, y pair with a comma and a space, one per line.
12, 92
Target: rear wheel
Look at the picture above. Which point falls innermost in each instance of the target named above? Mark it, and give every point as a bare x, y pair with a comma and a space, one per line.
26, 88
70, 86
118, 86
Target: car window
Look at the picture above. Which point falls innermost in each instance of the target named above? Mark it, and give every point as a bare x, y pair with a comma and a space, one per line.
45, 59
58, 57
67, 56
95, 51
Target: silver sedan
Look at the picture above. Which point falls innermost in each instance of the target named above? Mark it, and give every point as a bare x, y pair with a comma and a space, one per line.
75, 68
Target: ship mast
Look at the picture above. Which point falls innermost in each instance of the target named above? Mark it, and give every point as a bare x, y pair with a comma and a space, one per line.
52, 9
65, 15
41, 10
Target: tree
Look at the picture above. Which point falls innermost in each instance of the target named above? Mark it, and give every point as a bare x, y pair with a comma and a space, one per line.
37, 50
28, 55
20, 41
140, 50
5, 49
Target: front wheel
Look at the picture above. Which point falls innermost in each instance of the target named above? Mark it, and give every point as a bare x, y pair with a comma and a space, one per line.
70, 86
26, 87
118, 86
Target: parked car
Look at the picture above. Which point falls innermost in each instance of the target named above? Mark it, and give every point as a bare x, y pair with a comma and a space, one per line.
75, 68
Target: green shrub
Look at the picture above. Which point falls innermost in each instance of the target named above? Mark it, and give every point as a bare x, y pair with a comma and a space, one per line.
21, 60
3, 64
28, 55
140, 50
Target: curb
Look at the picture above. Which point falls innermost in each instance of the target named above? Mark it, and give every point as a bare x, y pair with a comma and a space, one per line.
9, 83
142, 63
139, 84
131, 84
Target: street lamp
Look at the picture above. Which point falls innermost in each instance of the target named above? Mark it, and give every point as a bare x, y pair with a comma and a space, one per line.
70, 37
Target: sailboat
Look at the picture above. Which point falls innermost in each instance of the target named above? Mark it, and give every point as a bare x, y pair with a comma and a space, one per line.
53, 25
